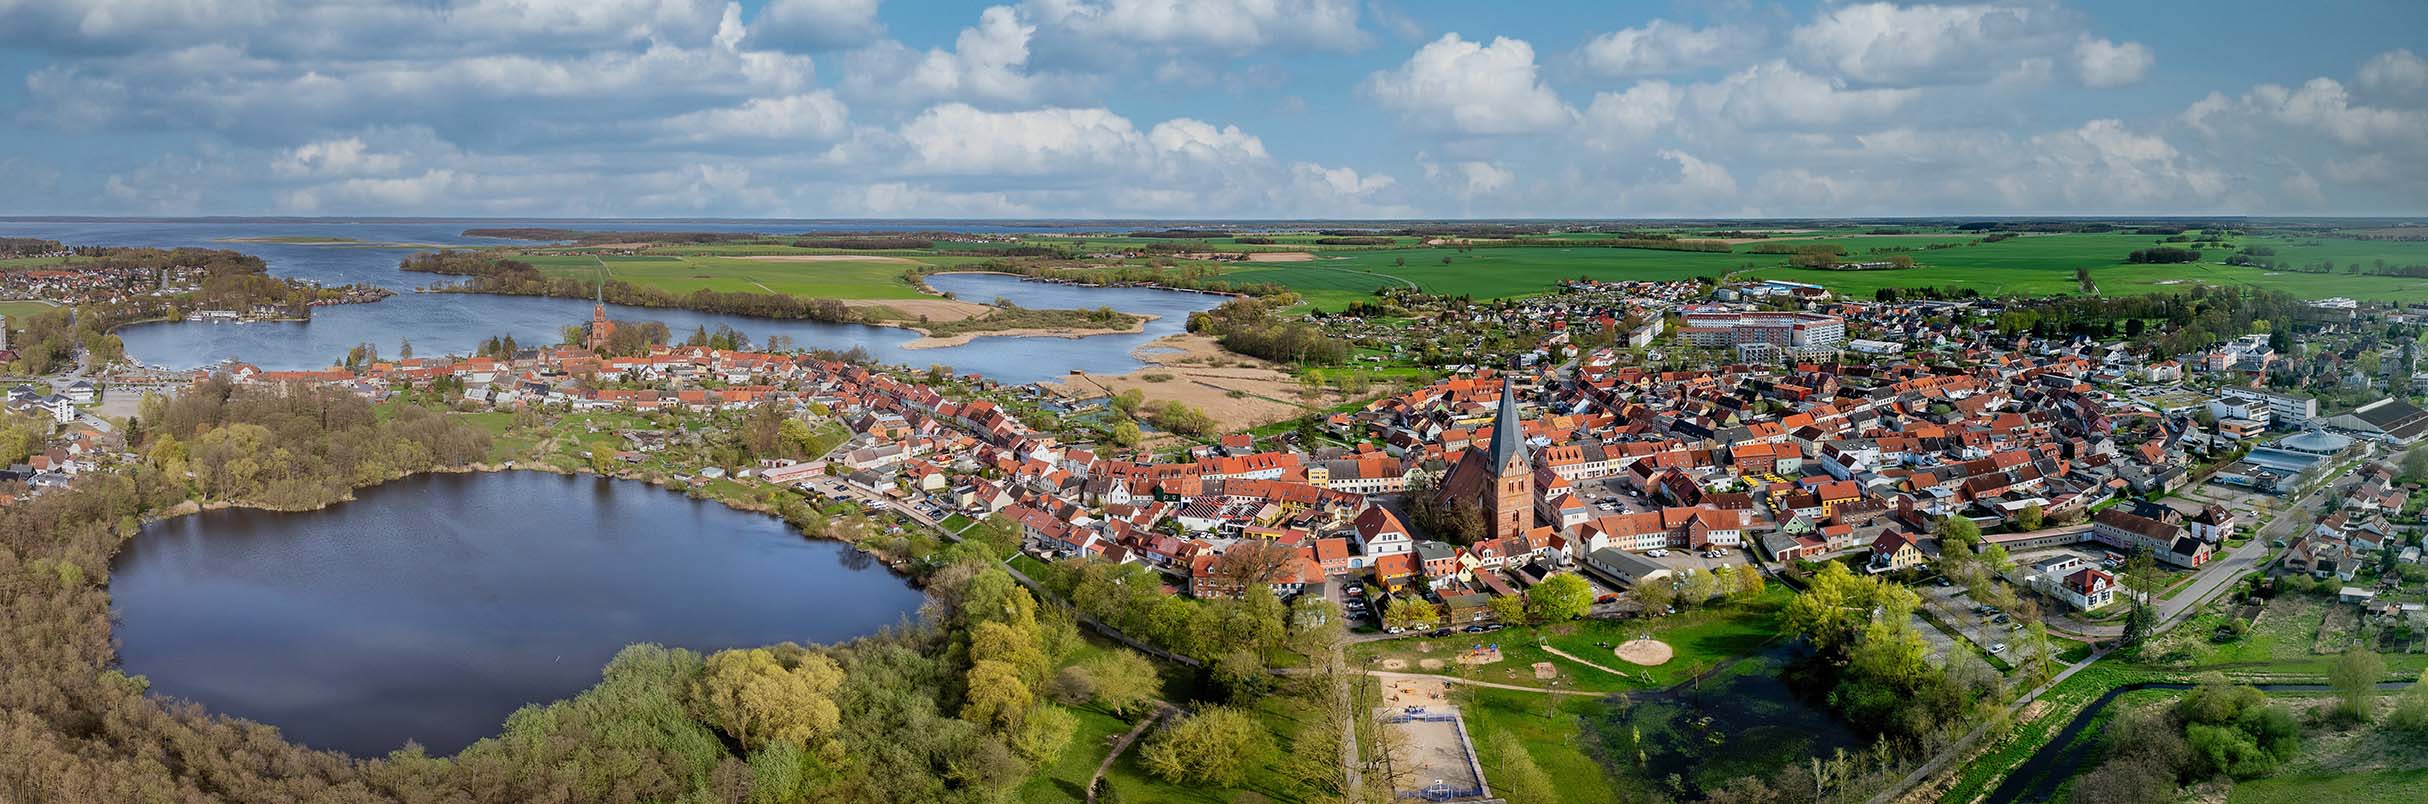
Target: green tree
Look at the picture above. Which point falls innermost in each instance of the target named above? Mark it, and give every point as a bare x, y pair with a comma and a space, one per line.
2354, 677
2030, 518
2410, 716
1749, 583
1125, 433
759, 700
1509, 609
1518, 779
1559, 598
997, 699
1656, 595
602, 459
1406, 612
1218, 746
1044, 734
1122, 682
1700, 588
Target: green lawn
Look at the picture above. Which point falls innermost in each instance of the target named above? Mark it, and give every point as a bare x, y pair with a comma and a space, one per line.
1702, 638
2388, 787
1067, 779
25, 309
1555, 739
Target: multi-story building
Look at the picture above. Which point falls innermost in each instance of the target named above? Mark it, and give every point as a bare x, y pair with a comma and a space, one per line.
1764, 334
2284, 410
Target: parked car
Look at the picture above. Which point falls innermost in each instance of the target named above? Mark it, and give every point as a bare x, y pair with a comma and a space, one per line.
1998, 648
1442, 633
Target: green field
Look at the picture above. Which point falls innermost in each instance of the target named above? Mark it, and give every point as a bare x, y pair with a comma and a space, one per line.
874, 278
2028, 264
1553, 738
25, 309
2357, 788
1334, 279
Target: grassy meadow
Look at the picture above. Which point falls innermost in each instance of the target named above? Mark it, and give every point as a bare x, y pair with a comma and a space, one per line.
876, 277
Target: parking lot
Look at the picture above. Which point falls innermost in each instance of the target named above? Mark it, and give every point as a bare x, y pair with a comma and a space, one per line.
1608, 496
1994, 631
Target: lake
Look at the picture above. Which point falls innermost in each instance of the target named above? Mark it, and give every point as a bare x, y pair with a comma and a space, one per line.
456, 323
432, 607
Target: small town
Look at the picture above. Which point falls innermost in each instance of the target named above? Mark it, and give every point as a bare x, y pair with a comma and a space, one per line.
1213, 402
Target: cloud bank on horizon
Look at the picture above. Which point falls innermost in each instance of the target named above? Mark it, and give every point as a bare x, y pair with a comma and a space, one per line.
1211, 108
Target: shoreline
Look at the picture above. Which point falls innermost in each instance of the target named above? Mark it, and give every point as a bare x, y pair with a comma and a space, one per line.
927, 341
190, 506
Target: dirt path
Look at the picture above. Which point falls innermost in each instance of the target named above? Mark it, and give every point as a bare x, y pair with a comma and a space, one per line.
1162, 709
1581, 660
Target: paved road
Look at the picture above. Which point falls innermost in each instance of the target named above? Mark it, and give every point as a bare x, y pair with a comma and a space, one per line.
2240, 561
2219, 575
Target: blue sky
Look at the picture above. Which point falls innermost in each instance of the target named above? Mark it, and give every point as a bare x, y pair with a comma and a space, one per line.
1210, 109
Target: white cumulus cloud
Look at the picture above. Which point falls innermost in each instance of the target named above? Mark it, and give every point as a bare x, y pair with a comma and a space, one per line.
2104, 63
1471, 87
1661, 47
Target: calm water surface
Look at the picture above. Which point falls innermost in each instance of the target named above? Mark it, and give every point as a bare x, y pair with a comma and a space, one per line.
432, 607
457, 323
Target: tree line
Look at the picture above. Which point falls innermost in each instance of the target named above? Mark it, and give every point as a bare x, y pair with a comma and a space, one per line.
13, 247
292, 448
491, 273
1248, 326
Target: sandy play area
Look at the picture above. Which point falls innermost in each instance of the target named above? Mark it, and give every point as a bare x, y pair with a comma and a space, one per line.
830, 258
1644, 651
1197, 372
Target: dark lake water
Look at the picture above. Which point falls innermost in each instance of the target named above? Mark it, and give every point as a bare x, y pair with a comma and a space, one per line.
431, 607
457, 323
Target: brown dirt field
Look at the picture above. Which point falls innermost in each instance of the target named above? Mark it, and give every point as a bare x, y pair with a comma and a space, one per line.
1395, 664
830, 258
1644, 652
934, 309
1280, 256
1203, 377
1483, 657
1545, 670
1429, 664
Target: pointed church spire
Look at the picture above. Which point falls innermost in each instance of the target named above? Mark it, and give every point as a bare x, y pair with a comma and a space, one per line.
1508, 435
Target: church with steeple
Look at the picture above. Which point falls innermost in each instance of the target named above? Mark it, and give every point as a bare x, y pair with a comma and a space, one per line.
600, 327
1499, 479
